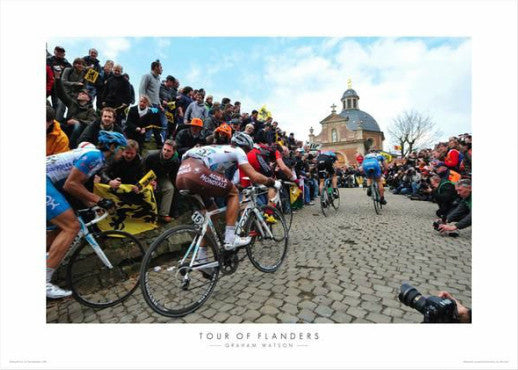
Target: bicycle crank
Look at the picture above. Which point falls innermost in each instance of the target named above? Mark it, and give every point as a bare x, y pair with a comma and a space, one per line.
230, 262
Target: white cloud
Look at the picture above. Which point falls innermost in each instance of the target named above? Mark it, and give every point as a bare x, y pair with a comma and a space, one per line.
112, 47
390, 76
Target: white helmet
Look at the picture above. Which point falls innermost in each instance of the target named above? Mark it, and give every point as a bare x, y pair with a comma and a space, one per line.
242, 140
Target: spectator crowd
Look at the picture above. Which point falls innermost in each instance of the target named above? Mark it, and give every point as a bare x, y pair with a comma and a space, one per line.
162, 120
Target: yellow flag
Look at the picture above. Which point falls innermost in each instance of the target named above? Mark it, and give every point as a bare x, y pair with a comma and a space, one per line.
135, 212
148, 177
264, 113
91, 75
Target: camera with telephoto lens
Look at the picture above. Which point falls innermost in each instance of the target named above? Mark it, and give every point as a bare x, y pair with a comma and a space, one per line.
434, 309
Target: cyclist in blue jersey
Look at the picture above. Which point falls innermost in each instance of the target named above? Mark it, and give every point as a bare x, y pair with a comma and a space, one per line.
68, 172
371, 166
325, 162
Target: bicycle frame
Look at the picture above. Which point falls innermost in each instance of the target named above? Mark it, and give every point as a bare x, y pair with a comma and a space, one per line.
85, 233
207, 224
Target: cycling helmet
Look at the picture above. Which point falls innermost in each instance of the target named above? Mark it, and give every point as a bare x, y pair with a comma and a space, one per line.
242, 140
329, 153
111, 137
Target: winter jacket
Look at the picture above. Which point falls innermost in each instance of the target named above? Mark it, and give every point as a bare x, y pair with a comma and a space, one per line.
461, 214
57, 140
116, 92
134, 120
185, 141
83, 113
161, 167
91, 133
70, 78
128, 172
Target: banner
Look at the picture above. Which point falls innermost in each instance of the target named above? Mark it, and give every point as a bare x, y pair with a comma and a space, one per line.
264, 114
135, 212
296, 197
91, 75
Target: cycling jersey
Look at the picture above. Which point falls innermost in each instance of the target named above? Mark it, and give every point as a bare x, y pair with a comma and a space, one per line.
218, 158
325, 163
87, 160
372, 165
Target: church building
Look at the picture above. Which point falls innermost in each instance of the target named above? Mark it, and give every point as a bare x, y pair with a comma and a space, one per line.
348, 132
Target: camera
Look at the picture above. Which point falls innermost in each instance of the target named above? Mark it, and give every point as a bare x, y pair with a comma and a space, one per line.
436, 225
434, 309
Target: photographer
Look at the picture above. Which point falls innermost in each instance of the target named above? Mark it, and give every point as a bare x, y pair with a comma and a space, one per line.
464, 312
440, 309
461, 214
444, 195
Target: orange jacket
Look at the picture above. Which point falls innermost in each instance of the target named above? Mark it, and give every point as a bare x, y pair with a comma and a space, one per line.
57, 140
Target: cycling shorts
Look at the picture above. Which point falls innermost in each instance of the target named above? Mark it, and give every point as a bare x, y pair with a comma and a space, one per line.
371, 168
195, 176
324, 166
56, 202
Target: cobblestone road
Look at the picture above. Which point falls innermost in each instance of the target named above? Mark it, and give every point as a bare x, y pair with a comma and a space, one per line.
346, 268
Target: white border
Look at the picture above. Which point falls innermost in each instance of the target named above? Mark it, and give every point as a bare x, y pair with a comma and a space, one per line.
25, 26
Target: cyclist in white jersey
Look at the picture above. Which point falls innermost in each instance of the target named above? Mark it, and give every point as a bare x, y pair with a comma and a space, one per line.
69, 172
206, 171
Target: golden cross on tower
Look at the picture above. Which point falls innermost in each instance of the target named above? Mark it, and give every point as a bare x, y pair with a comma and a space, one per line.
349, 83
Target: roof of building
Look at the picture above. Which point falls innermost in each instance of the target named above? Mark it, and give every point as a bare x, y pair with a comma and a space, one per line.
356, 119
349, 93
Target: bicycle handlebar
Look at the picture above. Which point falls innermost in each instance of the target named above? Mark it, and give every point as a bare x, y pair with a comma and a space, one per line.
100, 214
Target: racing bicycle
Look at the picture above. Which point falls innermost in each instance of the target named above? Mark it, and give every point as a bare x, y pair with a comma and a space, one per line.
104, 265
177, 278
327, 198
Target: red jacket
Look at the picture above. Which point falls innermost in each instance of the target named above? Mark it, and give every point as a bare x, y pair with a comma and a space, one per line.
452, 158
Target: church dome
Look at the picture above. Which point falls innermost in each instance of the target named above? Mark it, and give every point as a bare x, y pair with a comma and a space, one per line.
357, 119
349, 93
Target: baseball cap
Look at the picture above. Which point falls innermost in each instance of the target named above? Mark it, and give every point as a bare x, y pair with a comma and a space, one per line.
197, 122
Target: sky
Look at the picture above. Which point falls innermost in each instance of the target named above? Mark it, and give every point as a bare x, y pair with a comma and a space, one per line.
299, 78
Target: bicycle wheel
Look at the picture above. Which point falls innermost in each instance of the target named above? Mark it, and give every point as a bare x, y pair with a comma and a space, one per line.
335, 202
266, 253
170, 286
376, 198
96, 285
323, 201
286, 207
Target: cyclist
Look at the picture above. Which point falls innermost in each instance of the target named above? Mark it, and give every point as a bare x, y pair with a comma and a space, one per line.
371, 165
264, 158
325, 162
69, 172
206, 170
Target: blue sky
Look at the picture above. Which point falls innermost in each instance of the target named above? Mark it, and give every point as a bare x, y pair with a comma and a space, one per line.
299, 78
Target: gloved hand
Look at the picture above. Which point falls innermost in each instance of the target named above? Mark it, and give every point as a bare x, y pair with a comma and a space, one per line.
107, 204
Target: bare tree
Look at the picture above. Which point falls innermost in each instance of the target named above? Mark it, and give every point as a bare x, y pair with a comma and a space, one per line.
411, 130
